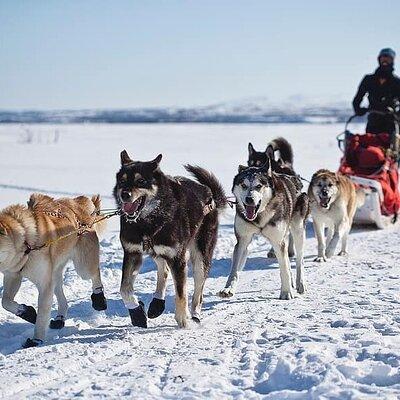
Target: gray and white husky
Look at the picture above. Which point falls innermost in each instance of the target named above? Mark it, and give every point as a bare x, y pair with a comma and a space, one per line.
270, 204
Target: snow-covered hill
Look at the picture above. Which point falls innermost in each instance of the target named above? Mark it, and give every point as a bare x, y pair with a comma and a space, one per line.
296, 109
339, 341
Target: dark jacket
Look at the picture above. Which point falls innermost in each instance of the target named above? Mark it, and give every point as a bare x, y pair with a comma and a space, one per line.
380, 96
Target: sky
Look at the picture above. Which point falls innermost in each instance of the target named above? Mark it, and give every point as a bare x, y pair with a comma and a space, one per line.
124, 54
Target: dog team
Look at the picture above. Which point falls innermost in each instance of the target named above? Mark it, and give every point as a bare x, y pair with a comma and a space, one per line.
171, 219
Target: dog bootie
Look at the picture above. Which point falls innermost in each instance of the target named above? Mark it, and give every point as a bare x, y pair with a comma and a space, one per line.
28, 313
196, 318
156, 308
99, 302
32, 343
271, 253
138, 316
58, 322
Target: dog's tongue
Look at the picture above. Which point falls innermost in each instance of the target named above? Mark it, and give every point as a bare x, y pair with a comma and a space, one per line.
130, 208
324, 202
250, 212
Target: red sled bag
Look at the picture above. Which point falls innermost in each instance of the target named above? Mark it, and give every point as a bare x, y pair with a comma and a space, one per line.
365, 156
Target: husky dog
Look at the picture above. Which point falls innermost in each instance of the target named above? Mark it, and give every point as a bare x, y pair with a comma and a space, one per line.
165, 217
283, 165
23, 232
270, 204
333, 202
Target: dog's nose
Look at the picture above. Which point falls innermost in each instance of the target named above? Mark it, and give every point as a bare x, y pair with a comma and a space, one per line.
324, 192
125, 195
249, 200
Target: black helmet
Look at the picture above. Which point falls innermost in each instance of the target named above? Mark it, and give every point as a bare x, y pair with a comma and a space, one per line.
387, 52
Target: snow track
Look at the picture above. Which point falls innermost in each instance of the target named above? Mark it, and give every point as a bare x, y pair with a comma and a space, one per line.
341, 340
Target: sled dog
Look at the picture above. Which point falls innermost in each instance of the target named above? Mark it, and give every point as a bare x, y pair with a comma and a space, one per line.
333, 203
270, 204
166, 217
282, 164
23, 232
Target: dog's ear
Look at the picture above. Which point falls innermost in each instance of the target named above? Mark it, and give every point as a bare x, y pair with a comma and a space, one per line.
251, 149
125, 159
156, 162
3, 230
267, 167
269, 151
241, 168
313, 178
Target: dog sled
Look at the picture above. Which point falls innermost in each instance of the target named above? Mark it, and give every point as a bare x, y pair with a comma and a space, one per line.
371, 161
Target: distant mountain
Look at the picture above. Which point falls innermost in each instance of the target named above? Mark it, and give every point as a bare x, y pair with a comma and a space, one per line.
296, 109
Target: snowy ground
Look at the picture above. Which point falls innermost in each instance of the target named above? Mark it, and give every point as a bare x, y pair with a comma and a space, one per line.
340, 340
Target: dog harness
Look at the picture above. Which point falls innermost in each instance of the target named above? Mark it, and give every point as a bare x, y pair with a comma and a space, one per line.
148, 242
209, 207
82, 229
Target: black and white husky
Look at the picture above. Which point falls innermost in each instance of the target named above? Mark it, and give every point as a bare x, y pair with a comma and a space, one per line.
270, 204
166, 217
282, 164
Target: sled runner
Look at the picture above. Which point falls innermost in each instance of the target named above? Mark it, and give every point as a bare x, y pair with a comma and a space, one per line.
371, 162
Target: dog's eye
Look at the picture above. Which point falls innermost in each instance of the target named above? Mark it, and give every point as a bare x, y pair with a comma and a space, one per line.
244, 186
330, 184
141, 181
258, 187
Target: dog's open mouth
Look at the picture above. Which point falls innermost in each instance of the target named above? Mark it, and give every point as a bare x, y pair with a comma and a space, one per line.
133, 208
324, 201
250, 211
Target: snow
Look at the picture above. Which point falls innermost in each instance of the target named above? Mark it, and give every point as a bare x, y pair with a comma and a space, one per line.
341, 340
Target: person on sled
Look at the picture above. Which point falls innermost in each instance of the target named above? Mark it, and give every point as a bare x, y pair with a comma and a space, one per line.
383, 90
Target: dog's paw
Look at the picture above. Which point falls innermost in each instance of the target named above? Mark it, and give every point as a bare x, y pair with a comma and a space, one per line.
343, 253
32, 343
156, 308
99, 302
286, 295
271, 253
182, 320
58, 322
196, 317
28, 313
320, 259
226, 293
138, 316
301, 288
330, 252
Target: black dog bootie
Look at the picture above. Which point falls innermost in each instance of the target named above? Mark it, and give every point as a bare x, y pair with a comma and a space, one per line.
58, 322
156, 308
99, 302
28, 313
32, 343
138, 316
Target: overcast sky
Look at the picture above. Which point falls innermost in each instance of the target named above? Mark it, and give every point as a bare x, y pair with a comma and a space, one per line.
122, 54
